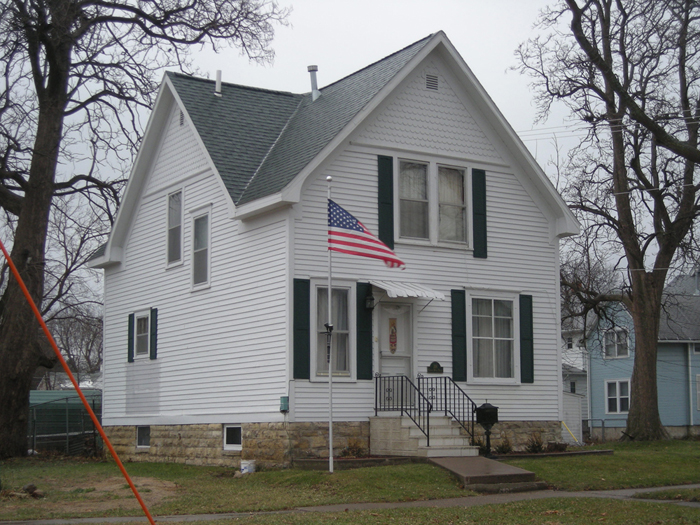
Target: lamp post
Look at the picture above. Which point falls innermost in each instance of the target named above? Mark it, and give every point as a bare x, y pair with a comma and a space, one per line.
487, 416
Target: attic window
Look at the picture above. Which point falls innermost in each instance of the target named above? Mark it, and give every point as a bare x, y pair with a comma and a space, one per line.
431, 82
182, 118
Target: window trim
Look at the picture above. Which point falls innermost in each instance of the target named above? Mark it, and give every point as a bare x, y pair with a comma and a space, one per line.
236, 447
180, 261
616, 331
433, 192
514, 298
198, 213
140, 314
351, 287
138, 428
617, 395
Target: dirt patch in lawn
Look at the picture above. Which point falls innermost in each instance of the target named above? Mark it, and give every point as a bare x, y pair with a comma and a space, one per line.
94, 495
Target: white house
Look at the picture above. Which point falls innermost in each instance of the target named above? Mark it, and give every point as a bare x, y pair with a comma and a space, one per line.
215, 271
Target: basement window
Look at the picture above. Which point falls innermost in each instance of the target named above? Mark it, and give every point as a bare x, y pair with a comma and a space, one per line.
232, 437
143, 437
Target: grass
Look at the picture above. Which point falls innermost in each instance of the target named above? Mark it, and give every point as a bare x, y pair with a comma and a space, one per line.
633, 465
557, 511
214, 490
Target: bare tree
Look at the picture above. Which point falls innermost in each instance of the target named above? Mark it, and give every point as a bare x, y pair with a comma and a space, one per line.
629, 70
77, 76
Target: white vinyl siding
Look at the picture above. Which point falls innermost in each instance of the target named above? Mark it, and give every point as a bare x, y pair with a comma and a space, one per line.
222, 351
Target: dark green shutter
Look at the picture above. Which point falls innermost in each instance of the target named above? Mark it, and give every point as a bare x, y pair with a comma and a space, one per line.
364, 332
385, 199
459, 335
130, 344
527, 351
153, 347
302, 327
479, 212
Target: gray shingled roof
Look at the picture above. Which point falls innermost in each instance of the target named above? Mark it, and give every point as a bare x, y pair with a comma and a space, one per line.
680, 317
259, 140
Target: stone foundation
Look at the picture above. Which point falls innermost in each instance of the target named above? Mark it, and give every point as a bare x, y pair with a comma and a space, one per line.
519, 433
269, 444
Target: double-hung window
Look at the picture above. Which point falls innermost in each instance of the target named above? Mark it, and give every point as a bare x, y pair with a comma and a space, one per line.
493, 338
616, 343
200, 250
340, 346
432, 202
618, 397
175, 227
142, 334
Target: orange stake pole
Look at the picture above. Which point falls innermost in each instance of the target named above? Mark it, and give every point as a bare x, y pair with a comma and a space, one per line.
13, 268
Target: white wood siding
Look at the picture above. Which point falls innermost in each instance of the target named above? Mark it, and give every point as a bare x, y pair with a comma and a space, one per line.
221, 350
521, 256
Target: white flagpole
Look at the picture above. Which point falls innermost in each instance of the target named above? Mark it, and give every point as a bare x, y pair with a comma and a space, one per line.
329, 348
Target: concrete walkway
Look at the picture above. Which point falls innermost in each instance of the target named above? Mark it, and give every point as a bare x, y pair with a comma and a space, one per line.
468, 501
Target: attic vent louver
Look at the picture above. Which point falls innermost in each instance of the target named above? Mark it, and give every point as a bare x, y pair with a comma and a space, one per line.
182, 118
431, 82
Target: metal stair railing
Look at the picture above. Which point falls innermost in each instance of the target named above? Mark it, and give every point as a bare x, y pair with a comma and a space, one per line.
446, 396
400, 394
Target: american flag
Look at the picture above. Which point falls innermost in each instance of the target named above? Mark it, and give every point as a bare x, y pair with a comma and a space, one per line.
347, 235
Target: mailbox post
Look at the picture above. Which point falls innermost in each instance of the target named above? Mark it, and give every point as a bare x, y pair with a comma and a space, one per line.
487, 416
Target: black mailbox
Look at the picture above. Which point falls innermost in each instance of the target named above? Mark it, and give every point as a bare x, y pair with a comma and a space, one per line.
487, 415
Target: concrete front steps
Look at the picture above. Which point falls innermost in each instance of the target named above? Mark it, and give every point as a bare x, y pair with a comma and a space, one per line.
486, 475
399, 436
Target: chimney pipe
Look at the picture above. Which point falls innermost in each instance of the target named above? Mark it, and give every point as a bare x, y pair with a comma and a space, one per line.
217, 89
315, 93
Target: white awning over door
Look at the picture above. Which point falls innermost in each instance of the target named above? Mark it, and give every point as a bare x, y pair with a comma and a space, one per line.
399, 289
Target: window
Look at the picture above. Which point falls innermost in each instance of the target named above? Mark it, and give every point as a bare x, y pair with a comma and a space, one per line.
572, 387
616, 343
413, 194
432, 202
175, 227
142, 334
618, 396
232, 437
341, 332
200, 250
569, 343
143, 436
493, 340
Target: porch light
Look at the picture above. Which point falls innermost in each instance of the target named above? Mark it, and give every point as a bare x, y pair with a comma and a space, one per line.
369, 301
487, 416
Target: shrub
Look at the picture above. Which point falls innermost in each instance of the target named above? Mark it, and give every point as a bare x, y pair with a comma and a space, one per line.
504, 447
534, 444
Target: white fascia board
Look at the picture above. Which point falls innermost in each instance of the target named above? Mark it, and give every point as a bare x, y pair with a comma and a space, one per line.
261, 205
565, 222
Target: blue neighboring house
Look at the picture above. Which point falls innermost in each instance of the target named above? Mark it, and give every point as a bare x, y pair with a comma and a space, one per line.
611, 345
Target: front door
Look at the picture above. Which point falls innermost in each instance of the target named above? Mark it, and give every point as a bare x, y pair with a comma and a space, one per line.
395, 341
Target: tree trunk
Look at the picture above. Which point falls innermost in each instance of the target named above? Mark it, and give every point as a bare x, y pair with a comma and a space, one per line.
20, 351
643, 421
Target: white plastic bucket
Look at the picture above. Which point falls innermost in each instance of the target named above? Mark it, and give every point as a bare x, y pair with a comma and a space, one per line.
247, 466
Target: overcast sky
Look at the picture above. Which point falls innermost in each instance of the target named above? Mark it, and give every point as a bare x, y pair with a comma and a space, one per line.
342, 36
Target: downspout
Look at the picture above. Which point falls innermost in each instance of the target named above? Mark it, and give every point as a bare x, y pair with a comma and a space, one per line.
690, 387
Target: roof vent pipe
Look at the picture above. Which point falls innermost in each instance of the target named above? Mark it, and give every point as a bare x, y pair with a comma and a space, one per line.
217, 89
315, 93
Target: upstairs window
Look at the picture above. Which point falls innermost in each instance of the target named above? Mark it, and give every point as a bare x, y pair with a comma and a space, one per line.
175, 227
142, 334
433, 203
413, 193
200, 250
616, 344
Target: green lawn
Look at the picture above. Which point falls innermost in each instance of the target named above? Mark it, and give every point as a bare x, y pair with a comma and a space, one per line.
73, 488
632, 465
